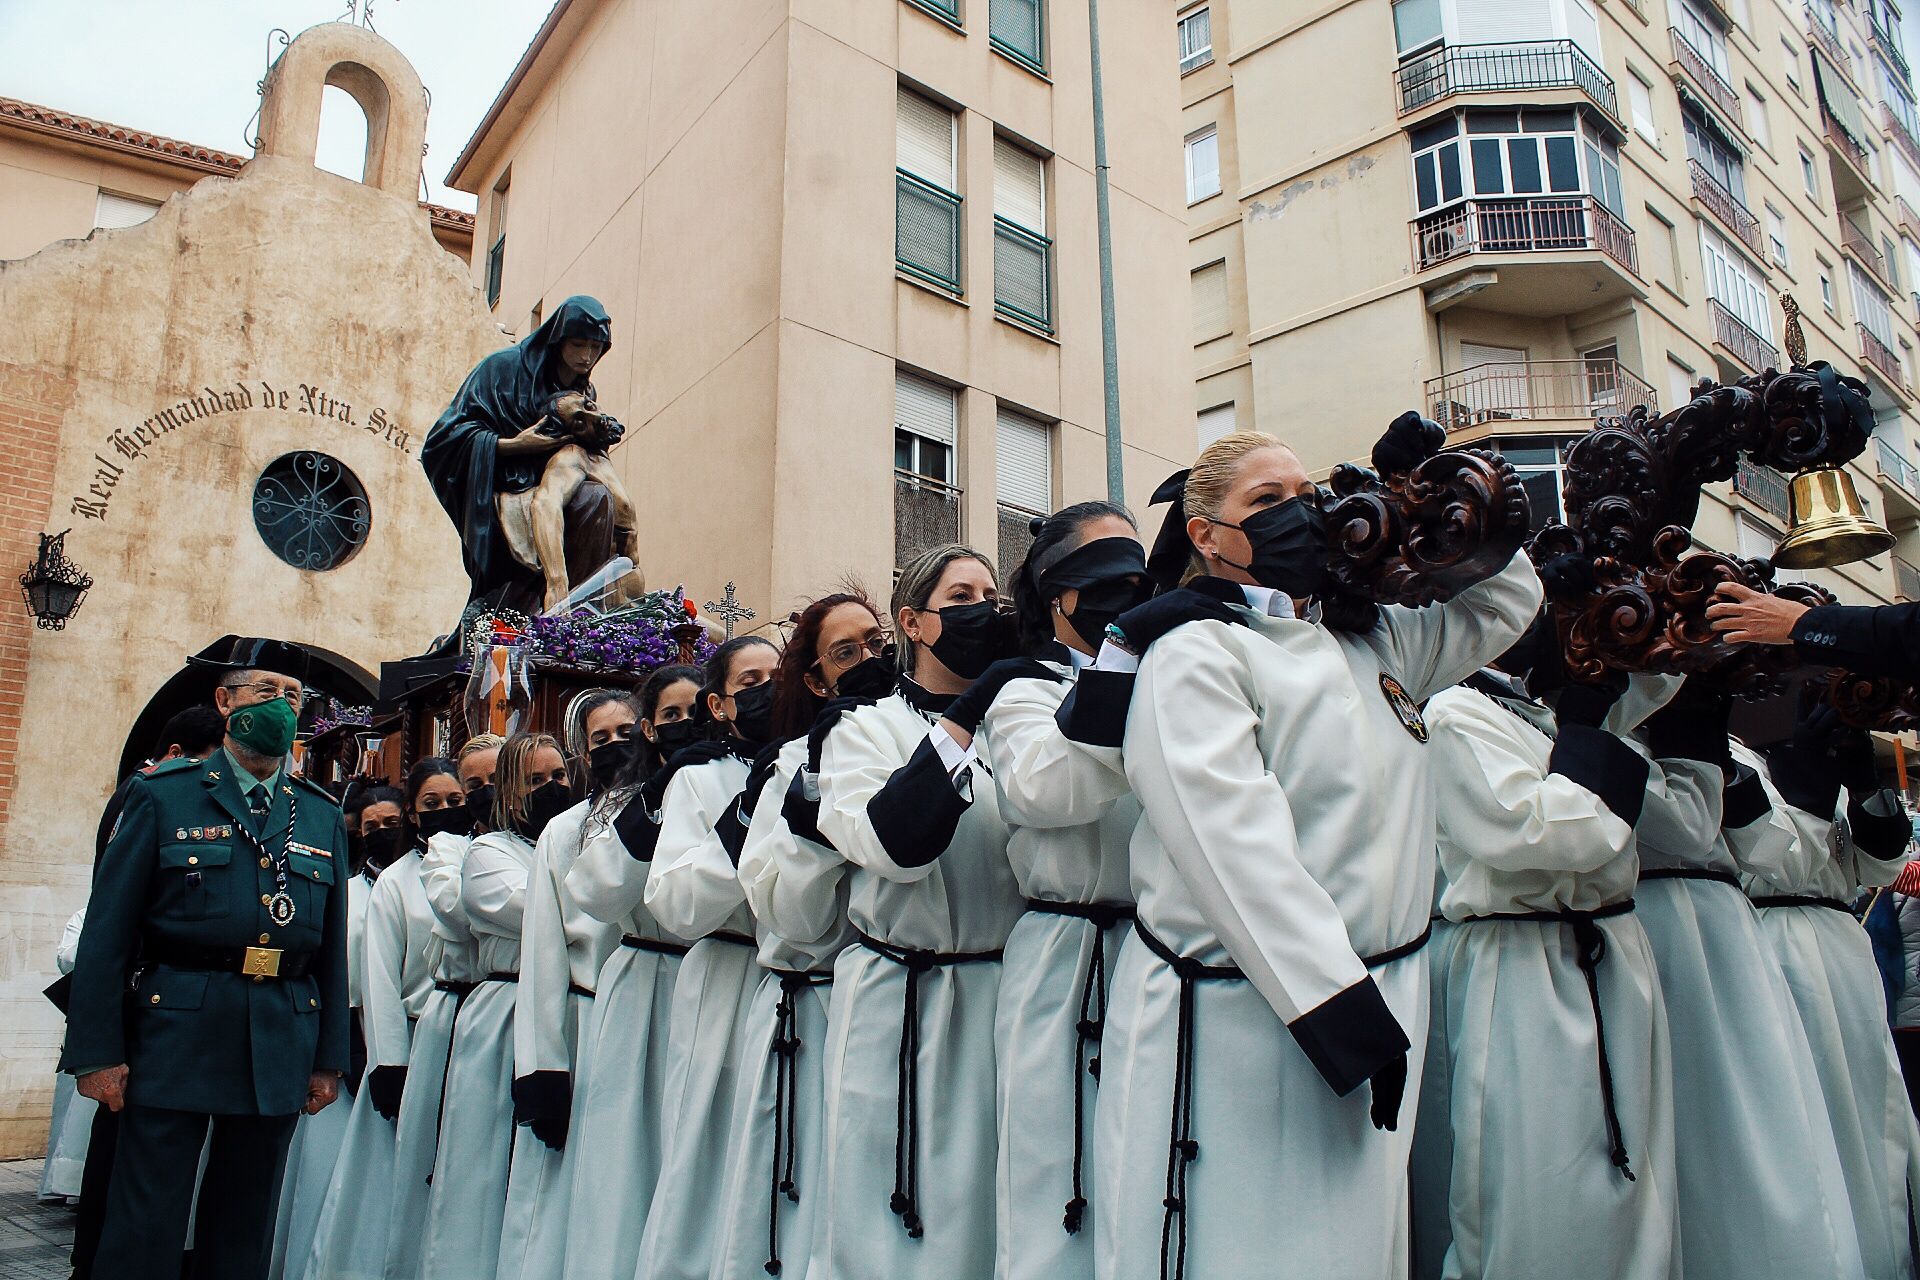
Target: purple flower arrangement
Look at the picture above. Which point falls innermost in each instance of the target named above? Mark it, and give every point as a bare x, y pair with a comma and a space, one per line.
336, 714
629, 642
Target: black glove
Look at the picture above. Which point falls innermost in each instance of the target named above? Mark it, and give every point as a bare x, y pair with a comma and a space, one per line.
543, 1101
1145, 623
970, 708
823, 725
1409, 441
1389, 1085
1567, 577
384, 1087
1821, 757
694, 753
1588, 704
1693, 726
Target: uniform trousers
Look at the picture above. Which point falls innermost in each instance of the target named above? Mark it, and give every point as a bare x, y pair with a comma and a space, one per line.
149, 1200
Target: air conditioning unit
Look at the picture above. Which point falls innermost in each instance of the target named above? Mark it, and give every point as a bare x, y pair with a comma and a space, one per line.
1437, 244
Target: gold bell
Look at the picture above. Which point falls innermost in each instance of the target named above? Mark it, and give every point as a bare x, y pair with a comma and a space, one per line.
1827, 526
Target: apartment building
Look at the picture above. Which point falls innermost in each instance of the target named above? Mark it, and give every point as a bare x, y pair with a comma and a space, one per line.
850, 255
1522, 215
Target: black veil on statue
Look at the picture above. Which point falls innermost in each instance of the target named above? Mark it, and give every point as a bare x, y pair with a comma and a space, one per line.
506, 393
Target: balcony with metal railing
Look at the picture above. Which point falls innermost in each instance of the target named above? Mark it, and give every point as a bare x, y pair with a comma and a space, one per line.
1829, 41
1880, 359
1855, 240
1725, 206
1762, 486
926, 513
1734, 336
1713, 86
1504, 68
1885, 45
1545, 224
1903, 137
1899, 482
1909, 220
1906, 581
1852, 154
1535, 392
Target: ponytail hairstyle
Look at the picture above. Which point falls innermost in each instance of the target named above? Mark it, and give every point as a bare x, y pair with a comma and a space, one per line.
510, 789
794, 704
914, 588
1209, 479
1054, 537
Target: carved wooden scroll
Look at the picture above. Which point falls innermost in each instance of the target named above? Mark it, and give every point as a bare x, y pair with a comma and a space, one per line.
1425, 536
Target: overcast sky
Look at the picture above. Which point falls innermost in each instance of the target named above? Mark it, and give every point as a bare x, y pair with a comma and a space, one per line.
188, 68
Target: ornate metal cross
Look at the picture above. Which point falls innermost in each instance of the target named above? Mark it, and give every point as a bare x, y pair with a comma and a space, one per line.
729, 610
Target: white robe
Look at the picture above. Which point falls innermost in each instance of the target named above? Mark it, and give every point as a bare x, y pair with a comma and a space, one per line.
1512, 1100
71, 1128
766, 1112
1835, 985
452, 958
561, 951
1761, 1192
477, 1134
1069, 820
1288, 831
692, 891
616, 1127
963, 901
351, 1241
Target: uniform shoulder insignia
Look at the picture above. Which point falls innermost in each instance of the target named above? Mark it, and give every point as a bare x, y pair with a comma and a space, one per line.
179, 764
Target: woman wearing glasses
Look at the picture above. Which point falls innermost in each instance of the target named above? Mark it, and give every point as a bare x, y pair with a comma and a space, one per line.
797, 891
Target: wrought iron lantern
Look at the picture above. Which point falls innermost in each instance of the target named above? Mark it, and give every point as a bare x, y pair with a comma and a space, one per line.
54, 587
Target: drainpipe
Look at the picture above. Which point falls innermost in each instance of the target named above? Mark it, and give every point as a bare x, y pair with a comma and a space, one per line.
1109, 338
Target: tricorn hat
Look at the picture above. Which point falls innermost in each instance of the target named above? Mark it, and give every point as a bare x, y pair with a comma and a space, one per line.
255, 653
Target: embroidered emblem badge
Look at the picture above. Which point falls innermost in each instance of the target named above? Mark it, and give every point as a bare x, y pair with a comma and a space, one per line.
1403, 707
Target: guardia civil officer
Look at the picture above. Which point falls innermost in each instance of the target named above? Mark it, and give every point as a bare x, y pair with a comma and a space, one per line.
218, 907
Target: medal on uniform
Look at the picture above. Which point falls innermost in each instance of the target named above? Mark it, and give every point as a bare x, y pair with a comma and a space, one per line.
280, 909
1404, 708
279, 906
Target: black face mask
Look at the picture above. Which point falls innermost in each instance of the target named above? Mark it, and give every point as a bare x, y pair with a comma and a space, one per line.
545, 803
382, 845
972, 638
480, 806
454, 820
605, 762
870, 678
675, 734
1103, 603
1289, 544
753, 712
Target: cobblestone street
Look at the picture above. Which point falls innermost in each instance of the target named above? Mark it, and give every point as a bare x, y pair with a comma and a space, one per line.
34, 1237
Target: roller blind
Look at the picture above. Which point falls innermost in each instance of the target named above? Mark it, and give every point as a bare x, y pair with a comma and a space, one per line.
1210, 301
925, 408
1019, 186
1023, 462
1503, 21
111, 210
1216, 422
924, 136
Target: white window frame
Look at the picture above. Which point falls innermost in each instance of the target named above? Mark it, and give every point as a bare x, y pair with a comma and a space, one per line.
1194, 55
1736, 283
1640, 95
1194, 140
1776, 228
929, 437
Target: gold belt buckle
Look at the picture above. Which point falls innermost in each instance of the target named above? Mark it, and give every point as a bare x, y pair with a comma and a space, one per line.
261, 962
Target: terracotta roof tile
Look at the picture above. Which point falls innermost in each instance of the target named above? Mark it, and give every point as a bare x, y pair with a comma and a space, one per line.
50, 120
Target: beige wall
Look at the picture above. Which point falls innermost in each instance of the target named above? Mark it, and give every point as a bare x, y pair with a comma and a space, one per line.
735, 213
49, 191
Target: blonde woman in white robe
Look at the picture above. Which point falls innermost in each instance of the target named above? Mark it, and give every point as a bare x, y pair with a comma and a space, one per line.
561, 951
1548, 1058
1284, 872
1760, 1189
1849, 834
615, 1133
910, 1069
477, 1133
453, 959
768, 1211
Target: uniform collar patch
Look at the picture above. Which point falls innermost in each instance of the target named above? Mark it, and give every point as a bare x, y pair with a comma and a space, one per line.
1404, 708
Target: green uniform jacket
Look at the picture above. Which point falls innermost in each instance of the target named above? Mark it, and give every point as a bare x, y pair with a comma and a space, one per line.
180, 872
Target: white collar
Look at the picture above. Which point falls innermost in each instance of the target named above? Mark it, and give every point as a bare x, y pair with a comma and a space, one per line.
1266, 600
1076, 659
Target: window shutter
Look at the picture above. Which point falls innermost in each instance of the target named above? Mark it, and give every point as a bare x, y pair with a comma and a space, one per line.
925, 408
1504, 21
1023, 463
1203, 164
1216, 422
1210, 302
924, 136
1016, 25
111, 210
1583, 28
1019, 186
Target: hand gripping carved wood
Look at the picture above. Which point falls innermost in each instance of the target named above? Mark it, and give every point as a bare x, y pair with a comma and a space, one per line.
1423, 537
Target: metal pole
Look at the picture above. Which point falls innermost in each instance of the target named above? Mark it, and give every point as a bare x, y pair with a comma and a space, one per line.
1109, 338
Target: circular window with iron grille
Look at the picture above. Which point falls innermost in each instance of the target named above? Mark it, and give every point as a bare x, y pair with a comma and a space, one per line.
310, 510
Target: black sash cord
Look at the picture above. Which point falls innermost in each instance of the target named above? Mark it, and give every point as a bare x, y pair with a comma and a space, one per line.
905, 1201
460, 991
1802, 900
1182, 1149
785, 1050
1690, 873
654, 945
1590, 946
1088, 1029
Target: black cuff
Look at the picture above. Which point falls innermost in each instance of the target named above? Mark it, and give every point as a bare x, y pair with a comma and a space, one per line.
1603, 765
1350, 1036
732, 831
1744, 799
542, 1096
1095, 711
1880, 838
1682, 733
1805, 779
802, 813
636, 830
916, 813
385, 1086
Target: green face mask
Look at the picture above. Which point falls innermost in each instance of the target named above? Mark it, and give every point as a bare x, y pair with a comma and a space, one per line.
264, 727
